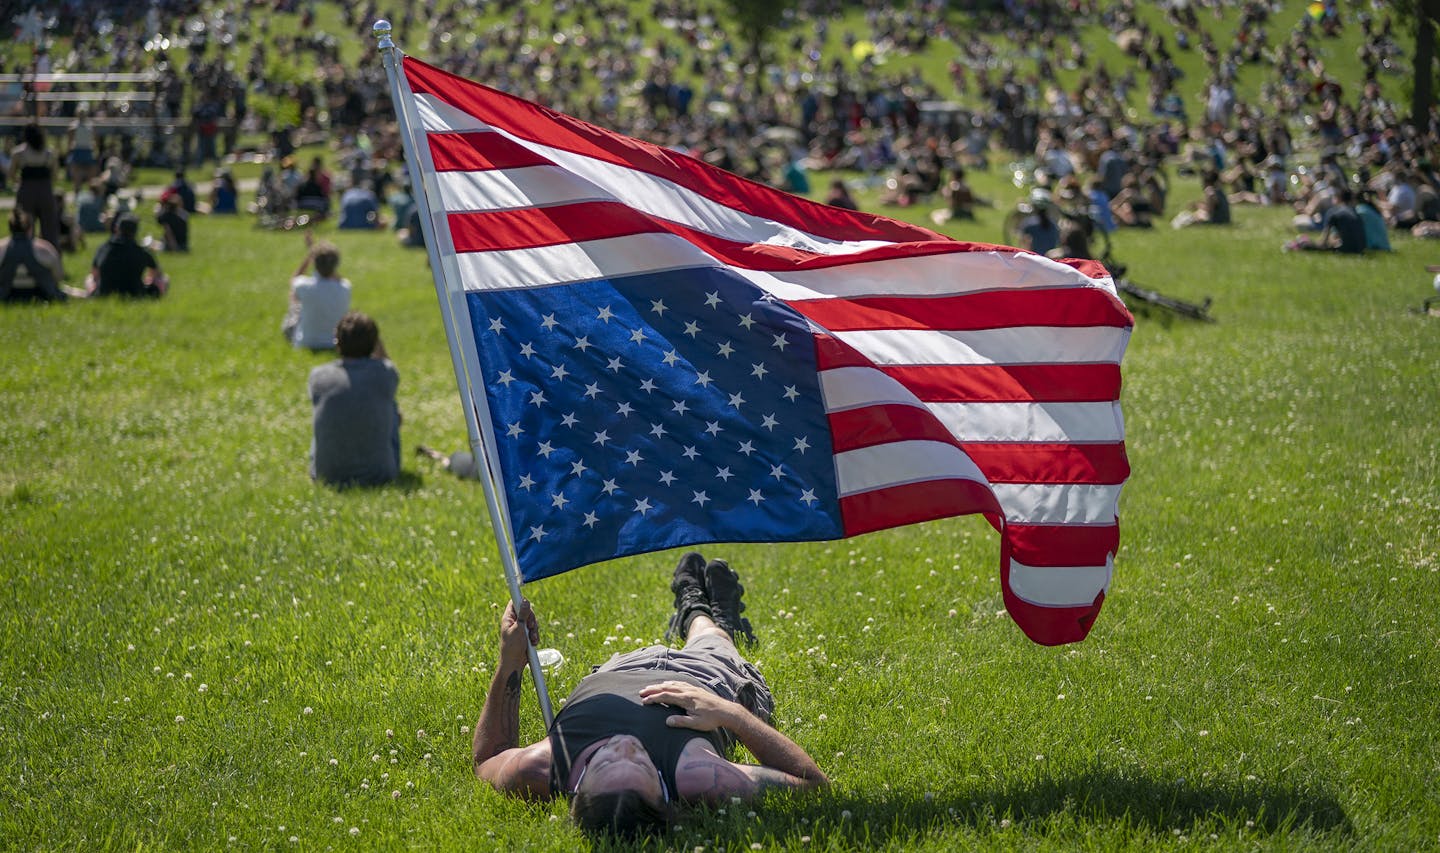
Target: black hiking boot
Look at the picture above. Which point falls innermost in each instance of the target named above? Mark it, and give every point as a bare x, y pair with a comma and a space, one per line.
691, 599
726, 600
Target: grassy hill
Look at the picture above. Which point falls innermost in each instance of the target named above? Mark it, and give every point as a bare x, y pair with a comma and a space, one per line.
201, 649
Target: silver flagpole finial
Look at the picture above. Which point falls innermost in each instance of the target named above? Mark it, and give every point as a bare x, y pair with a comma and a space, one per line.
381, 31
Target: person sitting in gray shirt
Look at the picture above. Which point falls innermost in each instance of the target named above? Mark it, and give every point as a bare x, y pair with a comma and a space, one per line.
357, 421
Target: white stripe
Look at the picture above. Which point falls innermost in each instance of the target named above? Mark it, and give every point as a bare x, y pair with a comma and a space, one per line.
901, 462
1080, 423
845, 388
948, 274
656, 196
1062, 503
436, 115
1012, 345
508, 189
573, 262
1060, 586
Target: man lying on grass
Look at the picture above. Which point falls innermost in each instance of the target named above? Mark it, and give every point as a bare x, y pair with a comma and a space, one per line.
649, 729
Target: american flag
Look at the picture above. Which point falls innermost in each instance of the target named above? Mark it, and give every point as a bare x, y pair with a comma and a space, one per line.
670, 355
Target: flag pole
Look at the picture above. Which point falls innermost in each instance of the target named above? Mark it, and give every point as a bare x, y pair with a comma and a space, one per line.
462, 357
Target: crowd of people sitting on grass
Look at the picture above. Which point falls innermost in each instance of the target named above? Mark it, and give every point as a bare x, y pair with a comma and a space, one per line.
679, 78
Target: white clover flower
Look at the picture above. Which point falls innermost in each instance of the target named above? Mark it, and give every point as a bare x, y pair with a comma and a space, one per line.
179, 719
390, 733
354, 830
394, 795
308, 710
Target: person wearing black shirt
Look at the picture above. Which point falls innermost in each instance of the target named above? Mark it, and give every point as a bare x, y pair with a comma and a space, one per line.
121, 265
648, 730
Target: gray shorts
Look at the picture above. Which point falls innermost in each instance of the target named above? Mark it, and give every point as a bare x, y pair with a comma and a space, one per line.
711, 660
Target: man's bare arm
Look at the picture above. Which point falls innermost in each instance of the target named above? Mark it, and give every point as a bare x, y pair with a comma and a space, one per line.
495, 749
782, 762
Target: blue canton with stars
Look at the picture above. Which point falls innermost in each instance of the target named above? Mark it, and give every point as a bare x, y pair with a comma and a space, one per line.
653, 411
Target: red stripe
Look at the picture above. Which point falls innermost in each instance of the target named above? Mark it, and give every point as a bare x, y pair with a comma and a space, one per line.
1068, 545
547, 127
897, 505
529, 227
872, 425
480, 151
1049, 626
523, 228
986, 383
1021, 462
994, 309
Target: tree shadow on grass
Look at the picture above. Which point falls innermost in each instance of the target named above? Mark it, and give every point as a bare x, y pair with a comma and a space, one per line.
1101, 798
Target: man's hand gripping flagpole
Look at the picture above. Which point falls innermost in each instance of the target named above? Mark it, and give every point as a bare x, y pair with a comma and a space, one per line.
462, 354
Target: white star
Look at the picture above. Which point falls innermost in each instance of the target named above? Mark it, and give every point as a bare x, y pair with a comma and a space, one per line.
658, 306
559, 500
537, 533
526, 349
637, 336
712, 427
808, 497
747, 447
769, 422
725, 349
703, 379
671, 358
736, 400
642, 506
577, 468
548, 322
657, 430
780, 343
591, 519
592, 390
633, 458
601, 437
537, 398
505, 378
680, 407
692, 328
545, 449
700, 498
712, 299
802, 444
514, 430
559, 372
605, 314
647, 385
609, 487
747, 321
690, 453
614, 364
666, 478
496, 326
624, 410
582, 343
758, 370
569, 420
755, 497
724, 474
791, 393
776, 472
526, 482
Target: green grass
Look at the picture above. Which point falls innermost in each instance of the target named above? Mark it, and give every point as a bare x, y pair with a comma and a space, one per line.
1262, 672
1262, 675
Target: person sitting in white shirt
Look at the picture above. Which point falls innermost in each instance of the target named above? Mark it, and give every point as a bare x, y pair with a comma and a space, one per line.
317, 302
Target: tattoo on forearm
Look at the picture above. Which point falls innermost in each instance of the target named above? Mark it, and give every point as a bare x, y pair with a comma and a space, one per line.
512, 685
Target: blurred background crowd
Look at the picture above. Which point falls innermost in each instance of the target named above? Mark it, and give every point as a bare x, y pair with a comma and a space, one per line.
302, 115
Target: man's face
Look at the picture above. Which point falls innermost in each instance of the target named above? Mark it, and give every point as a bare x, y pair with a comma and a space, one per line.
622, 764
